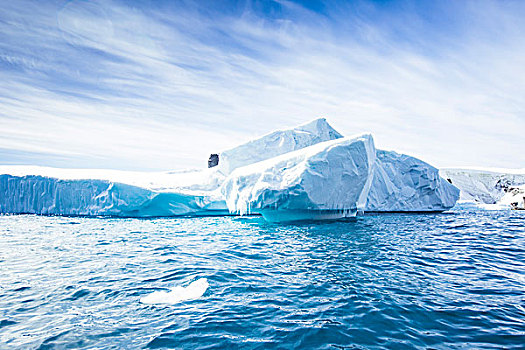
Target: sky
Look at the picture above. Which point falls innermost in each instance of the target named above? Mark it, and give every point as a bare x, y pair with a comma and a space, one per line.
159, 85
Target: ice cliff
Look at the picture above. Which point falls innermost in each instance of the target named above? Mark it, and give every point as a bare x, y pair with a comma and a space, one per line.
51, 196
326, 180
403, 183
310, 171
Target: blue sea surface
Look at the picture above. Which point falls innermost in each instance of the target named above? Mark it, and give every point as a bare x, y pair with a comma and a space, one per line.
444, 281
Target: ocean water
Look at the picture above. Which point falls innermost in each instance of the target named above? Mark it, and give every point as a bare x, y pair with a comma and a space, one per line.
443, 281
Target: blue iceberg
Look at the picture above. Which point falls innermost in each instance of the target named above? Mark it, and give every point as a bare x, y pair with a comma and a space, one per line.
308, 172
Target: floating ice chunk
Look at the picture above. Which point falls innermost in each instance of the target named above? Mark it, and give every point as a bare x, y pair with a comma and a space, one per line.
277, 143
177, 294
323, 181
406, 184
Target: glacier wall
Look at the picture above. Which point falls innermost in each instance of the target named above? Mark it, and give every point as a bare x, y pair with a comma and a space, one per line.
51, 196
403, 183
323, 180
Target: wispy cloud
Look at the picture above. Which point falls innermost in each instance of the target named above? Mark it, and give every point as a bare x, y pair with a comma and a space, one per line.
160, 86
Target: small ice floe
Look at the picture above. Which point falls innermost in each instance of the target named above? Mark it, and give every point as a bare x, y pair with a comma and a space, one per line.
177, 294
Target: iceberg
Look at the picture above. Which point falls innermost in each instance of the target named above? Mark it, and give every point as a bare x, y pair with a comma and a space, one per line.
307, 172
324, 181
403, 183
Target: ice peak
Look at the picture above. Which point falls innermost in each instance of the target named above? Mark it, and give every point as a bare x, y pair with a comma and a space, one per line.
277, 143
321, 128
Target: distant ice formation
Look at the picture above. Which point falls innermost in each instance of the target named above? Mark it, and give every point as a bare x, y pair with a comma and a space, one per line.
308, 172
491, 188
193, 291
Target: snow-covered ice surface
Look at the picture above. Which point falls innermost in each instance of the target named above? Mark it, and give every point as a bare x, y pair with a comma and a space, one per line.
189, 180
325, 180
490, 188
277, 143
177, 294
406, 184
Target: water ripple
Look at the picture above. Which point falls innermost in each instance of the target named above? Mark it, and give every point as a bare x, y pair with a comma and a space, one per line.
381, 281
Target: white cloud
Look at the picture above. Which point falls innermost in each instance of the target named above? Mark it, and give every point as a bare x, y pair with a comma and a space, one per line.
106, 84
